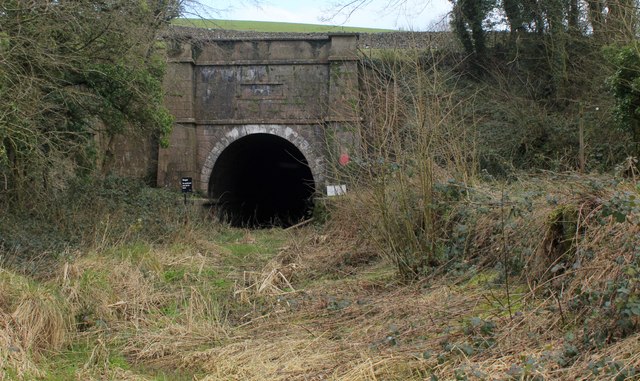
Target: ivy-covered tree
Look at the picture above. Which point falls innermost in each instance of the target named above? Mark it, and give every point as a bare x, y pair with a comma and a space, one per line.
625, 85
467, 20
70, 69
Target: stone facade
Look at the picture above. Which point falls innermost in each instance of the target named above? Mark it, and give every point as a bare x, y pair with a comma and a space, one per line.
220, 90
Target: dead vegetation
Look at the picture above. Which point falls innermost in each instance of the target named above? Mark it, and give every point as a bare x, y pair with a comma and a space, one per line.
543, 286
360, 323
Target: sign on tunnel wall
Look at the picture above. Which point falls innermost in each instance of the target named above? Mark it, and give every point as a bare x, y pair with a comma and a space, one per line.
187, 184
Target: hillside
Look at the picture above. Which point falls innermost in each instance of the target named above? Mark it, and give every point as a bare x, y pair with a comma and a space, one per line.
266, 26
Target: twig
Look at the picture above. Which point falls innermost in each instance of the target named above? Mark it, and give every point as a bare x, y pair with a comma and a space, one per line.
299, 224
555, 295
254, 320
504, 255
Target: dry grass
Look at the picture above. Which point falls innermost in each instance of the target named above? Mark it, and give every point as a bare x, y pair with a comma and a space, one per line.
12, 355
110, 290
360, 324
276, 359
37, 316
33, 320
165, 345
329, 306
92, 374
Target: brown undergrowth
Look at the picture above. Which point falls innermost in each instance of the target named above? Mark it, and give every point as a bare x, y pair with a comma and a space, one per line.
540, 284
511, 306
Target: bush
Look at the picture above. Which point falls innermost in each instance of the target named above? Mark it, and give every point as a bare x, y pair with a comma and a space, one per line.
91, 212
413, 138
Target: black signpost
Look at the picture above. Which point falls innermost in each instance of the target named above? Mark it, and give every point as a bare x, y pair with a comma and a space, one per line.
187, 187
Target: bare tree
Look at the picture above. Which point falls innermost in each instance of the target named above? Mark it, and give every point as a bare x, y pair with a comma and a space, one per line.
342, 11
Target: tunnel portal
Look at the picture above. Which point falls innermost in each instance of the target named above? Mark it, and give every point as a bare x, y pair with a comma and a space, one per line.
262, 180
253, 119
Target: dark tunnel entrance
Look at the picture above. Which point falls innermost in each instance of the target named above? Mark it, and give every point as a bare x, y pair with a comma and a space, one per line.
262, 180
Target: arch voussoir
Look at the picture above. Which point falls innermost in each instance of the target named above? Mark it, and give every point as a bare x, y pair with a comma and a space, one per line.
314, 159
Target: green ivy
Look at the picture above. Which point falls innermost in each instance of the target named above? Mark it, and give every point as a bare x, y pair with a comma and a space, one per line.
625, 85
129, 95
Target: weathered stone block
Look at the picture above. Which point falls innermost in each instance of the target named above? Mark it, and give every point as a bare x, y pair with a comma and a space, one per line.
223, 90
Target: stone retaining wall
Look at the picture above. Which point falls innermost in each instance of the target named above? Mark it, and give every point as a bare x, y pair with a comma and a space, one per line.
387, 40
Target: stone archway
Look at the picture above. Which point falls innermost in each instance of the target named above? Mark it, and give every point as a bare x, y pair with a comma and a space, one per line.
262, 175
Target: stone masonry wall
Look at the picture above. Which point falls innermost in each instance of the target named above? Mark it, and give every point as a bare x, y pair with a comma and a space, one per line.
219, 89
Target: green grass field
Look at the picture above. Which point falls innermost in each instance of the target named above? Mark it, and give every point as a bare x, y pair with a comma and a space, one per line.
264, 26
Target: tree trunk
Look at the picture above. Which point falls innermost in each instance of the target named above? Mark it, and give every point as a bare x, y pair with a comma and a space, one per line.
596, 17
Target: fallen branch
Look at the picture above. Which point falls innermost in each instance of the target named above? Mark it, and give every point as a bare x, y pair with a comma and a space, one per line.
299, 224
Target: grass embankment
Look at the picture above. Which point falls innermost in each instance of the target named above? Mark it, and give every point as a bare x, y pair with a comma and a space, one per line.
542, 284
267, 26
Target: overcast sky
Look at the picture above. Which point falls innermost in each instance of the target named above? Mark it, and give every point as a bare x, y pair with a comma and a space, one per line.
414, 15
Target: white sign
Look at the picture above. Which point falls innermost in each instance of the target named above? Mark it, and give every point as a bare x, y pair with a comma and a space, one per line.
336, 190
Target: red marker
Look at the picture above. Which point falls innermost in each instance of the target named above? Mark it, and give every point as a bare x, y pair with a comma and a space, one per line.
344, 159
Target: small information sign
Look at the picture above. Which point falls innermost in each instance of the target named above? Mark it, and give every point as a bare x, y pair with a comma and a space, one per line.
187, 184
336, 190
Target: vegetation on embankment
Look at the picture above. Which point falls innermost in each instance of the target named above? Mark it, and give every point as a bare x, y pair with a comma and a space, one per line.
73, 75
533, 279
